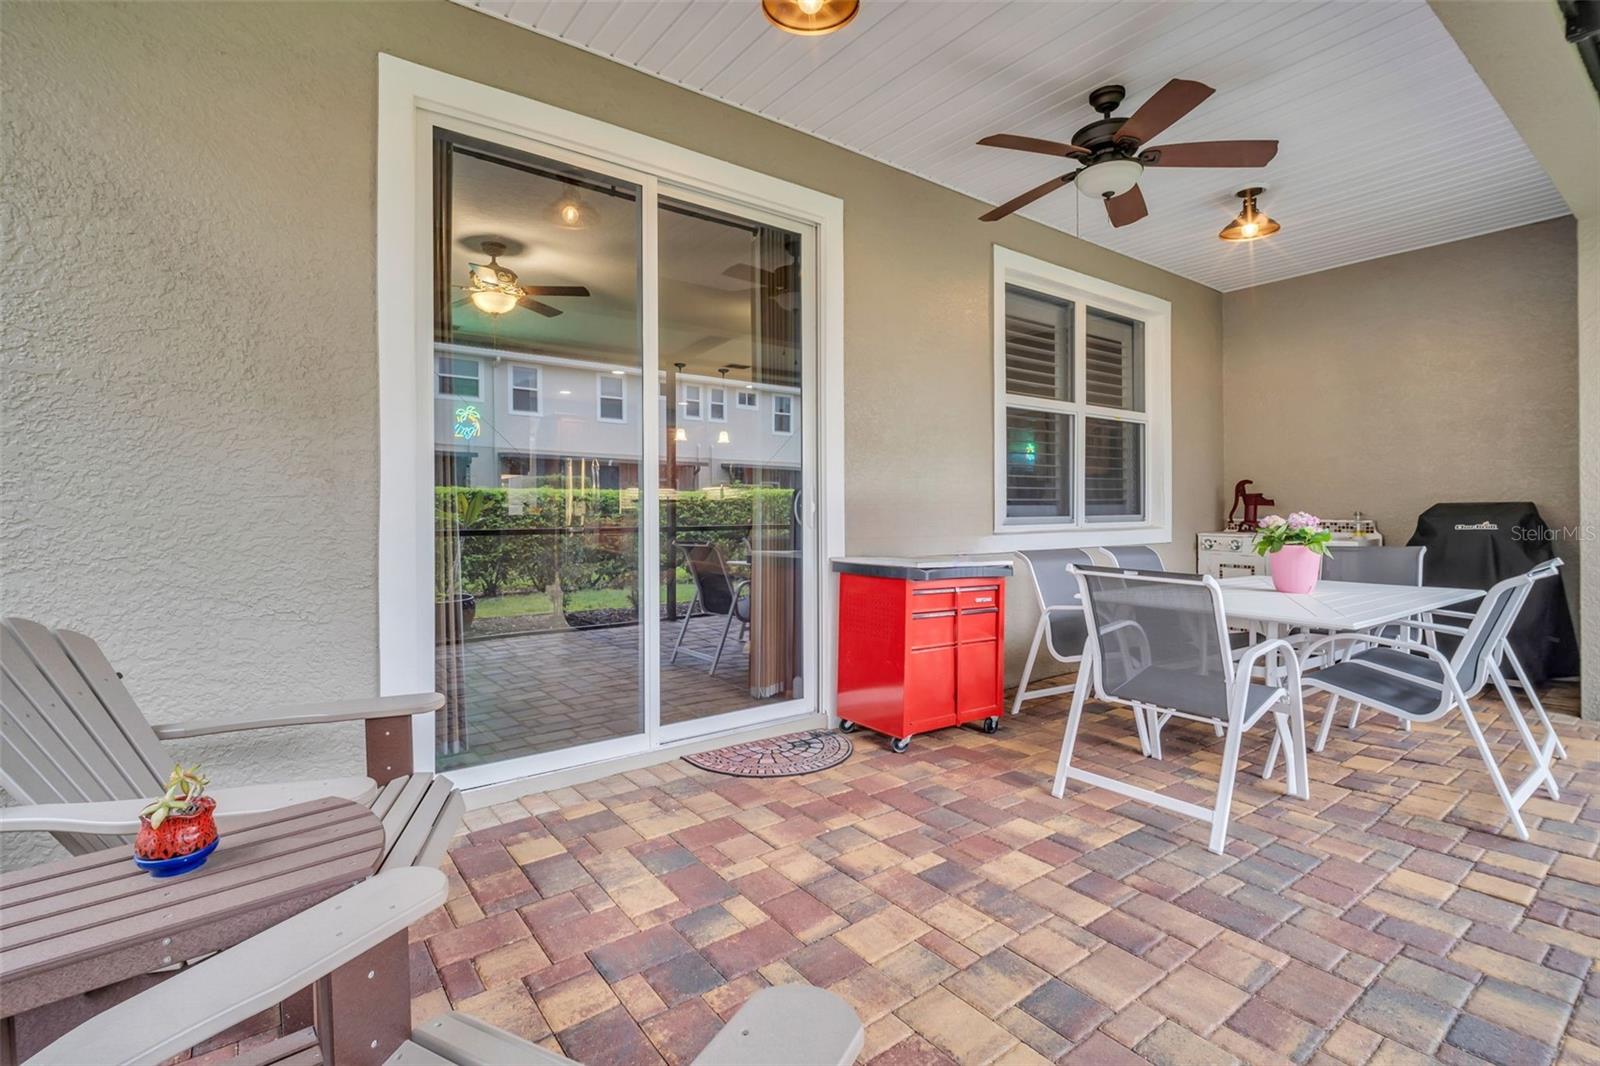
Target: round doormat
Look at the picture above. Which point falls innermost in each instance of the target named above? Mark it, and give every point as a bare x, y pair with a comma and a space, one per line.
785, 756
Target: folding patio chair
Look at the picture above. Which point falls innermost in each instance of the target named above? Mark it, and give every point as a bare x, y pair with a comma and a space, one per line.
1161, 641
1415, 682
1061, 629
1134, 557
715, 592
792, 1025
75, 747
1546, 569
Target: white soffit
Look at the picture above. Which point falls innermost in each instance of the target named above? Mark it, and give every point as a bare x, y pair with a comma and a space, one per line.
1389, 141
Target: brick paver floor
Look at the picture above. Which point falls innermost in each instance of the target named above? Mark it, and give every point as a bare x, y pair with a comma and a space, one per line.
537, 692
968, 916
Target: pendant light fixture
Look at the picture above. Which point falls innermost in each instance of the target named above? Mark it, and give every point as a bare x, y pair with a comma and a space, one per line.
810, 18
571, 212
1251, 224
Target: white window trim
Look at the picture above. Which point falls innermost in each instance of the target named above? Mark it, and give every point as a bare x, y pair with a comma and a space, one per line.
600, 397
712, 392
789, 414
1155, 527
437, 374
410, 98
699, 402
512, 388
751, 395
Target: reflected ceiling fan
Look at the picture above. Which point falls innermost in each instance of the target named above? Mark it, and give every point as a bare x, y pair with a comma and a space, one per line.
495, 290
1113, 152
780, 279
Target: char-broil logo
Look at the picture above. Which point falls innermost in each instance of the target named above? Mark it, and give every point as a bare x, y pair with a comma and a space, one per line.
1463, 527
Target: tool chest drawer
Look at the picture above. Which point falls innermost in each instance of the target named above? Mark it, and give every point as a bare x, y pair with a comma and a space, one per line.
920, 650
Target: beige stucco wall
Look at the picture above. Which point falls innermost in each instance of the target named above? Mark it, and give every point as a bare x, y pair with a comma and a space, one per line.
189, 447
1445, 374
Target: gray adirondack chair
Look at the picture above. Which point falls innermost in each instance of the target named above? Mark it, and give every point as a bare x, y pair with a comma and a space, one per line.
793, 1025
76, 749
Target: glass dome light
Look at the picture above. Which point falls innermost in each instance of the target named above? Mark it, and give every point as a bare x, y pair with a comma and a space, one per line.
493, 301
1251, 224
810, 18
1110, 178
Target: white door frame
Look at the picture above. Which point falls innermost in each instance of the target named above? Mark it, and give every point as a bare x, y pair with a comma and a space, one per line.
406, 92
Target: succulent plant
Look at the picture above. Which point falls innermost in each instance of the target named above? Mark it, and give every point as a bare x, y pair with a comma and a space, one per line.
184, 789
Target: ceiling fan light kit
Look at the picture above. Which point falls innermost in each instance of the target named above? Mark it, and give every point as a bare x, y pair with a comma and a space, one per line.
494, 290
1113, 153
810, 18
1251, 225
1111, 178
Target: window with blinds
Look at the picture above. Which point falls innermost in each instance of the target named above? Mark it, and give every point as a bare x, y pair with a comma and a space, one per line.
1038, 345
1074, 429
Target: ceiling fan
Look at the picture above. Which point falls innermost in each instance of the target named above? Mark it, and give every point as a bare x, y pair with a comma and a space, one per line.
494, 290
1113, 152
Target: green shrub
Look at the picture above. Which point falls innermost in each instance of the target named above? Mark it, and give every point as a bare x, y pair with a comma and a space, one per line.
597, 548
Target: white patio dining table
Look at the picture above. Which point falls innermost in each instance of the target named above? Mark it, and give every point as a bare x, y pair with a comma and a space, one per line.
1337, 606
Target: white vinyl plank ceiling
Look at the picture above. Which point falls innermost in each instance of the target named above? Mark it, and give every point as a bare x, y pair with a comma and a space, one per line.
1388, 140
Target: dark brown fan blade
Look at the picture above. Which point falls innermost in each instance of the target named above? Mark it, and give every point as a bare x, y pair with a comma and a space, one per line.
1127, 208
1027, 198
1031, 144
555, 290
534, 305
1210, 154
1170, 103
458, 303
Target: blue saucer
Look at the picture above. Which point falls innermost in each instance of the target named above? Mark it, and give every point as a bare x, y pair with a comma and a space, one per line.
182, 864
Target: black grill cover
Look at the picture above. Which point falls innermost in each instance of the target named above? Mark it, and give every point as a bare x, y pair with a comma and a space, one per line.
1474, 545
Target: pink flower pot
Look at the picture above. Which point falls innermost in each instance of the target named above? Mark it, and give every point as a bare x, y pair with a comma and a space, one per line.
1294, 568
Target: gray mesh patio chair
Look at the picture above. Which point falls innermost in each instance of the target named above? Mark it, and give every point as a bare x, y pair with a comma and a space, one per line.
1384, 565
1160, 641
1414, 681
795, 1025
1134, 557
1061, 629
1546, 569
715, 592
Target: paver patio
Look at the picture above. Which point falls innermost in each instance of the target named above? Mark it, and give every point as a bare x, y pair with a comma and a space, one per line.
546, 691
969, 916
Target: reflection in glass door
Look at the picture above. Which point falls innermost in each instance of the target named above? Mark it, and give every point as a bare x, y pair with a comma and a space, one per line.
732, 542
571, 546
538, 452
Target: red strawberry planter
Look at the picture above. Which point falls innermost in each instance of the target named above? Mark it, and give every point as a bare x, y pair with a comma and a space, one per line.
178, 832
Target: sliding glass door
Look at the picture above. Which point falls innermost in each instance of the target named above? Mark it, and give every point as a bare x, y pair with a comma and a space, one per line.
732, 536
621, 461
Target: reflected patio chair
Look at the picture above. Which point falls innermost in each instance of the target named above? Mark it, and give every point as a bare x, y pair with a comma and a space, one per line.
1414, 681
1160, 641
716, 593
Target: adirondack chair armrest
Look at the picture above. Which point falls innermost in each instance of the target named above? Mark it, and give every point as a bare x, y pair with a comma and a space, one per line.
386, 717
121, 817
266, 969
356, 710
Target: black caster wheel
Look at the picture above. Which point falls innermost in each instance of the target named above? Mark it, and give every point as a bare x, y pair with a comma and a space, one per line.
899, 745
991, 724
846, 726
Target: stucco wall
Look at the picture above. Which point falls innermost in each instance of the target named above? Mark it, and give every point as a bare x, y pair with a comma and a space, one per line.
1445, 374
189, 410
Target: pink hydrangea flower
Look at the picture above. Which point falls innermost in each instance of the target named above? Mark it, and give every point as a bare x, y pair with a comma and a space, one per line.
1304, 520
1270, 521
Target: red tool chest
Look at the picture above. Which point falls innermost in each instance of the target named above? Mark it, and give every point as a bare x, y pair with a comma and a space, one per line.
921, 645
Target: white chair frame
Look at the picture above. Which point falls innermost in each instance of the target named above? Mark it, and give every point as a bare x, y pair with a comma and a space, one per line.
1041, 636
1284, 705
1455, 696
